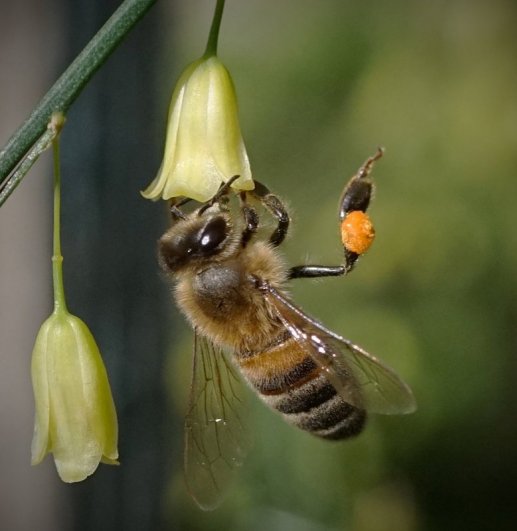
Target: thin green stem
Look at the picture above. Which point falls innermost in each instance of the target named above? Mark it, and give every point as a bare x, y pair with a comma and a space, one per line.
70, 84
213, 36
57, 257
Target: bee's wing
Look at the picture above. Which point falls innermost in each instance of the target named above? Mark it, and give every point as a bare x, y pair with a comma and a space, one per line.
215, 439
360, 378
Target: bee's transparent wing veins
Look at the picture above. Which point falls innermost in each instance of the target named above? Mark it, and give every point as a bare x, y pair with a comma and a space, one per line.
360, 378
216, 440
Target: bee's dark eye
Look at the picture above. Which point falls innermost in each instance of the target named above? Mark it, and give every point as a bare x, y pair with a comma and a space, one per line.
179, 249
212, 235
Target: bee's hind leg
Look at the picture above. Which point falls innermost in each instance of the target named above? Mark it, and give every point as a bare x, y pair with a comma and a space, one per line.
357, 231
315, 271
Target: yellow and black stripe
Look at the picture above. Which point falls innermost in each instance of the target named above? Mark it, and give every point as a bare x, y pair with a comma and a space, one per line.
288, 380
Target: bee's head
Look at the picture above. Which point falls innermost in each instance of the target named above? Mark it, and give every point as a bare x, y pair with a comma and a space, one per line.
197, 239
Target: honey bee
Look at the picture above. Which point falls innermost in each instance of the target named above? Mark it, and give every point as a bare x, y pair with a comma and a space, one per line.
231, 286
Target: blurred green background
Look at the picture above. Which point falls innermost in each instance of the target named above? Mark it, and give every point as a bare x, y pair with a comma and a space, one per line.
320, 86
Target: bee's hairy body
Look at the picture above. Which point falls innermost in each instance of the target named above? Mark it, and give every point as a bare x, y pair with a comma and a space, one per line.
221, 303
219, 295
231, 285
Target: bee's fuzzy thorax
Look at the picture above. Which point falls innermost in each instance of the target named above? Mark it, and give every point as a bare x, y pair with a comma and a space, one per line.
221, 301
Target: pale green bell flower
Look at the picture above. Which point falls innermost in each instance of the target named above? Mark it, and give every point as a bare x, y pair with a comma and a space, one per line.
204, 145
75, 416
75, 419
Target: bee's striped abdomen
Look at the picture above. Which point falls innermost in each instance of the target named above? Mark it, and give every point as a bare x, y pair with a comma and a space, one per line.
288, 380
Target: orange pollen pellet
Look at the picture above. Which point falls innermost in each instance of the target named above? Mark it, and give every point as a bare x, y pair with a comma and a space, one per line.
357, 232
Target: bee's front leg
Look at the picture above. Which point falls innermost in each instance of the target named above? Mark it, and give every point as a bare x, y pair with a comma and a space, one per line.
251, 220
277, 209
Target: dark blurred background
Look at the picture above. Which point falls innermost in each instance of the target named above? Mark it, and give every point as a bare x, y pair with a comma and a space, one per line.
320, 86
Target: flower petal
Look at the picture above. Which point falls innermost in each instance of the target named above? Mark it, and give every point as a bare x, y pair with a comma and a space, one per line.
40, 442
204, 145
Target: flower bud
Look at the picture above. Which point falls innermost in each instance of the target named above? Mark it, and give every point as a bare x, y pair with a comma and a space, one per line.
204, 145
75, 413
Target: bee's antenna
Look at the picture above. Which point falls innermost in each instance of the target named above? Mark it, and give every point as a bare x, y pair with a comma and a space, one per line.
175, 210
223, 190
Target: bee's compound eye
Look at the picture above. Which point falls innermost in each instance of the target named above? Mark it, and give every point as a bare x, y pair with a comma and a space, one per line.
214, 232
357, 232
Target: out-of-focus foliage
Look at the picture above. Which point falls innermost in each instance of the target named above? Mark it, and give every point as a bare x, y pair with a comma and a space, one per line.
320, 85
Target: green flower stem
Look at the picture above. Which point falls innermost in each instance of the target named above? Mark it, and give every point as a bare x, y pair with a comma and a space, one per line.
57, 258
213, 37
69, 85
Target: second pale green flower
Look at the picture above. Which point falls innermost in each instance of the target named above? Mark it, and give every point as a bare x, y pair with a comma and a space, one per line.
204, 145
75, 414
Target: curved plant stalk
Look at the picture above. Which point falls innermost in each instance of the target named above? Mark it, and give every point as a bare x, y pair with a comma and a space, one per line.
44, 142
19, 148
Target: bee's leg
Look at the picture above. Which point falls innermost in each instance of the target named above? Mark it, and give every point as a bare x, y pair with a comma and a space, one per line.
277, 209
356, 229
315, 271
359, 189
251, 220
